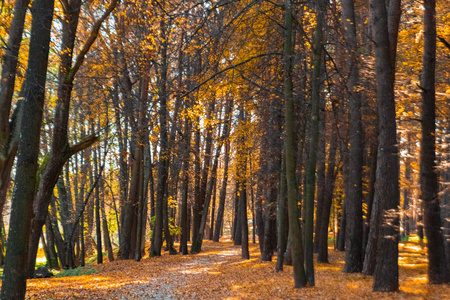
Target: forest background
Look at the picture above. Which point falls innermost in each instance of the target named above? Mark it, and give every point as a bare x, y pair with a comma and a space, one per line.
286, 122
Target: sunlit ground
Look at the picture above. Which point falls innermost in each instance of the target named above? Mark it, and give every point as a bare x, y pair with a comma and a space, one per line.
219, 273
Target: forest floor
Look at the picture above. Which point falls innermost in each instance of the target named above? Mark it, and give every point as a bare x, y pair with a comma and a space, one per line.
220, 273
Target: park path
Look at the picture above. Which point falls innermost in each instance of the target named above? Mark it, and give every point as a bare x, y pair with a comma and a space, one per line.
220, 273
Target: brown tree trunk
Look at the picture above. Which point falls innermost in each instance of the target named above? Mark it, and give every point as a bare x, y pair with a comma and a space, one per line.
9, 139
429, 185
295, 232
354, 226
61, 151
282, 218
33, 93
387, 187
223, 190
327, 201
155, 249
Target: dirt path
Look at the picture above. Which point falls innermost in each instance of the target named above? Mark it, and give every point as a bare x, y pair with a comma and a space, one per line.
219, 273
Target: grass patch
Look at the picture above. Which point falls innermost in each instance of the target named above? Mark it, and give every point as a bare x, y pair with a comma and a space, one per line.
74, 272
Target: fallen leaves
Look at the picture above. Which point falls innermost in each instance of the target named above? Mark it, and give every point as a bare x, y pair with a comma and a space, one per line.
219, 273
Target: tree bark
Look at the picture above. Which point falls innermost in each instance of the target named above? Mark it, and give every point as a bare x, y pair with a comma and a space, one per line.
314, 132
354, 226
387, 187
33, 93
295, 232
61, 151
9, 140
223, 190
327, 201
282, 218
155, 249
429, 185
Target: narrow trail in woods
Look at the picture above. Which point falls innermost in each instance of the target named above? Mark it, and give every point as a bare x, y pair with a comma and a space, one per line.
219, 273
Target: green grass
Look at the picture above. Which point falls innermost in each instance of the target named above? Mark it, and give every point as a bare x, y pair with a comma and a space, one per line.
74, 272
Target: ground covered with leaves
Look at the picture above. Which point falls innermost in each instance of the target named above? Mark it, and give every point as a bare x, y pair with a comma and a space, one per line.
219, 273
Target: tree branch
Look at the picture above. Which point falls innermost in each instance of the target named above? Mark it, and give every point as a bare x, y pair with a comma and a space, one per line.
83, 144
90, 41
228, 68
443, 41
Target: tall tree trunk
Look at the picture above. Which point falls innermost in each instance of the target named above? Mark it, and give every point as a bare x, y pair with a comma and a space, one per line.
197, 244
33, 93
52, 259
213, 211
237, 231
242, 179
273, 158
9, 139
407, 190
61, 151
98, 221
223, 190
321, 174
282, 218
295, 232
354, 226
327, 201
259, 194
387, 188
314, 131
157, 241
201, 199
429, 185
369, 201
446, 201
106, 236
185, 188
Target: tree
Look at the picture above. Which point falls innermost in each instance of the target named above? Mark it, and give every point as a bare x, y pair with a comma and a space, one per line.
314, 132
354, 233
293, 215
387, 196
61, 150
429, 186
8, 133
33, 93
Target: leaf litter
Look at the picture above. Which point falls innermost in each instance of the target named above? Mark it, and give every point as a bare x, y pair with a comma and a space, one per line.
219, 273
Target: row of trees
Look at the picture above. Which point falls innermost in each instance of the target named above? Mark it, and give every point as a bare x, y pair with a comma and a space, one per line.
133, 118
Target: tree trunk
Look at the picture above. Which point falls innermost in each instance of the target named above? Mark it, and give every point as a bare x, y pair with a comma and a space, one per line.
321, 175
223, 190
52, 259
197, 244
98, 221
157, 241
61, 151
314, 131
33, 93
237, 236
241, 161
185, 188
327, 201
354, 226
9, 139
370, 195
282, 218
213, 211
429, 185
295, 232
387, 188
